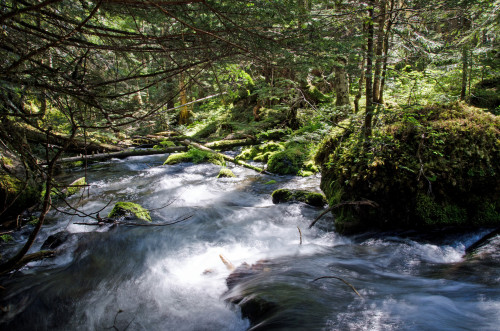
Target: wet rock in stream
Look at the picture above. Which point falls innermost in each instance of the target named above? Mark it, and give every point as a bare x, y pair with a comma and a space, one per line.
257, 308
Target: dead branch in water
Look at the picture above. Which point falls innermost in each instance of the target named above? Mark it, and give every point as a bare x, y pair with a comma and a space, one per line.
228, 264
300, 235
106, 220
341, 279
345, 203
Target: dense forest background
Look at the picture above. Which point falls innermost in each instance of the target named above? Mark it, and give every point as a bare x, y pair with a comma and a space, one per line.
391, 83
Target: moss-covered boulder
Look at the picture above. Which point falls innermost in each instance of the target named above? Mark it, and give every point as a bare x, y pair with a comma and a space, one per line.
129, 209
75, 186
287, 162
15, 195
225, 173
196, 156
261, 153
437, 165
287, 195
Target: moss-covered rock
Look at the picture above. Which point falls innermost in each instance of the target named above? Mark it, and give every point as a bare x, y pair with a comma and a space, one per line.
225, 172
429, 166
261, 153
76, 186
287, 162
287, 195
195, 156
129, 209
16, 196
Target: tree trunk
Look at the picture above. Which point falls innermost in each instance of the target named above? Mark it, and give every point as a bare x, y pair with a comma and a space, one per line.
465, 60
386, 57
369, 63
184, 113
378, 53
341, 83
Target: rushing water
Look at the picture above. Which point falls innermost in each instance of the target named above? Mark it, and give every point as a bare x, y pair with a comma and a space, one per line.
171, 277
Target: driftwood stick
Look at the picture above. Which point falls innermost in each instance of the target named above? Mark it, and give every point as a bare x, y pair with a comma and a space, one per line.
111, 221
225, 157
341, 279
300, 235
356, 203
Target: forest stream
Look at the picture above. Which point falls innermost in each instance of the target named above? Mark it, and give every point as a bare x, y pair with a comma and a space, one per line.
172, 278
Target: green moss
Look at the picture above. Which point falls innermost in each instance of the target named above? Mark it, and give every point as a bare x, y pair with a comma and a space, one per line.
6, 238
75, 186
452, 151
225, 172
128, 209
260, 153
431, 212
164, 144
288, 162
287, 195
12, 188
195, 156
270, 182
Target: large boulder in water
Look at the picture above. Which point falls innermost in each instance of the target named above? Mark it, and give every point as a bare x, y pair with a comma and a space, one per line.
425, 167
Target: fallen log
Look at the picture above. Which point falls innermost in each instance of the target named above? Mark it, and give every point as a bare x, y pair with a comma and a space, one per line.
225, 157
123, 154
75, 145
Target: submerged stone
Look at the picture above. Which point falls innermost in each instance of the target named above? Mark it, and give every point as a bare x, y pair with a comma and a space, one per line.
130, 209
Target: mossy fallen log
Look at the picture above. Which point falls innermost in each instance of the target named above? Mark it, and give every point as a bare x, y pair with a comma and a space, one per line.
75, 145
225, 157
122, 154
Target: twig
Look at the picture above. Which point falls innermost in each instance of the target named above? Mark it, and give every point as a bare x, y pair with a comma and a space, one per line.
300, 235
356, 203
111, 221
343, 280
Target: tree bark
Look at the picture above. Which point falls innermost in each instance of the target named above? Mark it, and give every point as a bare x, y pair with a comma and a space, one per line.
369, 63
341, 83
184, 113
465, 61
385, 56
378, 53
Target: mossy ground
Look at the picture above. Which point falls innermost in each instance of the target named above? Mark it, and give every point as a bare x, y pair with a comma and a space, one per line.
129, 209
424, 166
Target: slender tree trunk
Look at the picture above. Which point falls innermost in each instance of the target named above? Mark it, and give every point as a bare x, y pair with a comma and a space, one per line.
386, 57
465, 60
360, 85
378, 53
369, 76
184, 112
341, 83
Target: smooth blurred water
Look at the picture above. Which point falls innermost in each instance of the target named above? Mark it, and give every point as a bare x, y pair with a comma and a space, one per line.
171, 278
